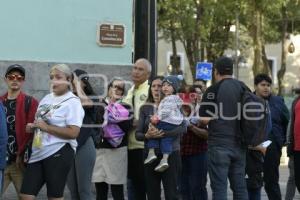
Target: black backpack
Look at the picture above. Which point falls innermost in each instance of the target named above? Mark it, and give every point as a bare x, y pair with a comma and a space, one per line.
27, 150
28, 100
253, 120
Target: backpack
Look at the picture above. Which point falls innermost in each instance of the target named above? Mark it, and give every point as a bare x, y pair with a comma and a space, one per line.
28, 100
112, 132
253, 119
117, 113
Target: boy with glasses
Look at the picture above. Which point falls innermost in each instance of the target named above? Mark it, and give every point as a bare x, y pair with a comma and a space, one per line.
20, 110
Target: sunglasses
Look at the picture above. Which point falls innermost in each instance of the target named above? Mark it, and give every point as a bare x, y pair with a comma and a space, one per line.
12, 77
118, 87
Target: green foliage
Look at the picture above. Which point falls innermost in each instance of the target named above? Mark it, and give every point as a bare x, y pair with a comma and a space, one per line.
203, 25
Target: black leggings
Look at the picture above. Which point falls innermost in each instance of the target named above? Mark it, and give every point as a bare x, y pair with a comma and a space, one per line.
136, 174
168, 178
52, 170
102, 191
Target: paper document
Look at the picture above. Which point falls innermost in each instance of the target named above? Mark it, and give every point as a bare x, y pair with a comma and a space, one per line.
265, 144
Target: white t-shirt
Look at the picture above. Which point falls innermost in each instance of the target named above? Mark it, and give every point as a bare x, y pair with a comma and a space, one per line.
70, 112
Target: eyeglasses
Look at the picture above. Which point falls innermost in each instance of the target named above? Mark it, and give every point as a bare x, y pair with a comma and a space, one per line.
198, 86
193, 95
12, 77
118, 87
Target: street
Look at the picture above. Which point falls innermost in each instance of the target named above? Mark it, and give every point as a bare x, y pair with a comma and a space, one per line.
10, 194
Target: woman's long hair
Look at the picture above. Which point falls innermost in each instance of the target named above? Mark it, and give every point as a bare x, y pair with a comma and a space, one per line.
88, 89
150, 96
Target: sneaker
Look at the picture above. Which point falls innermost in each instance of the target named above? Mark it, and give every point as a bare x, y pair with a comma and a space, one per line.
150, 159
162, 167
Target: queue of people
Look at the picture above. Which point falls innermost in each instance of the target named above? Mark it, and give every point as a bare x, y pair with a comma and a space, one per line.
150, 136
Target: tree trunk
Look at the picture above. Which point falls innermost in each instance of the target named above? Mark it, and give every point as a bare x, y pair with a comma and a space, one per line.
202, 55
281, 72
174, 62
257, 42
192, 45
188, 46
266, 68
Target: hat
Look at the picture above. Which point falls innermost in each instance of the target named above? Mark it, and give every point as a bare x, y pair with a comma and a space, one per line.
83, 75
15, 67
174, 81
224, 65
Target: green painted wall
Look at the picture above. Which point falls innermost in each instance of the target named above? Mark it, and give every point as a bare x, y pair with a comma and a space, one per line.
62, 30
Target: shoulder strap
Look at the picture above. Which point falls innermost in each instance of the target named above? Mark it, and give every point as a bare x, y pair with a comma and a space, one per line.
218, 85
53, 106
244, 87
65, 100
28, 100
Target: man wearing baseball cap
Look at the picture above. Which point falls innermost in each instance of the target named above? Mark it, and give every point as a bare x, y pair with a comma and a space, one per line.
20, 110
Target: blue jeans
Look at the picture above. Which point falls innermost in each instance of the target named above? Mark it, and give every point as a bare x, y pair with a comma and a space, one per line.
223, 163
165, 144
254, 194
194, 177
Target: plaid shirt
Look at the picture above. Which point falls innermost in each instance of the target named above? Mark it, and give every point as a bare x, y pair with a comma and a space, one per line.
192, 144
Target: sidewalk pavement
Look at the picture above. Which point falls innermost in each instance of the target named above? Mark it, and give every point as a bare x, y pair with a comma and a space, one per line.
10, 193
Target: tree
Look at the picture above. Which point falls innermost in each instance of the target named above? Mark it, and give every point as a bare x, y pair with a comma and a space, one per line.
257, 13
167, 11
284, 35
289, 10
201, 26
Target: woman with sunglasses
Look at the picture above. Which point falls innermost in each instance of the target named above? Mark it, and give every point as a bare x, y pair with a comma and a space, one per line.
58, 121
111, 156
80, 175
169, 177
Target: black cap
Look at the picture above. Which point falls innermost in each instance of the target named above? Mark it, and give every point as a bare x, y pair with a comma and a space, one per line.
82, 73
15, 67
224, 65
